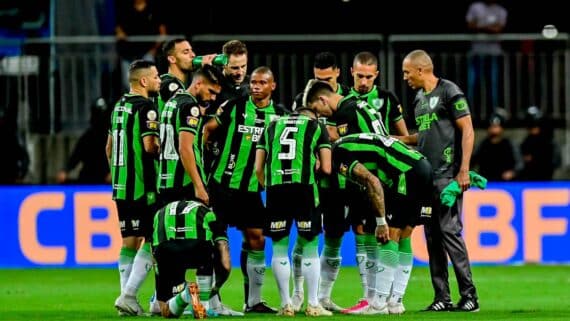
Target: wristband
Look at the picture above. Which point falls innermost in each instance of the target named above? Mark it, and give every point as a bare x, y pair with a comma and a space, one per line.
381, 220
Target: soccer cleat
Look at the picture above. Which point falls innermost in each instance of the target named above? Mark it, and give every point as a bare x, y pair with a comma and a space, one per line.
439, 306
373, 309
286, 310
154, 306
317, 311
128, 305
358, 308
260, 307
396, 308
328, 304
219, 308
297, 301
467, 304
198, 309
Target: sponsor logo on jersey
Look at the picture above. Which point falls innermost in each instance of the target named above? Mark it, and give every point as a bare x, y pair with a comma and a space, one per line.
152, 124
342, 129
151, 115
304, 225
278, 225
192, 121
343, 169
195, 111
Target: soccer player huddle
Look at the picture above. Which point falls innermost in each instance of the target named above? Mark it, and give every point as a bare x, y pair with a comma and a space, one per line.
192, 150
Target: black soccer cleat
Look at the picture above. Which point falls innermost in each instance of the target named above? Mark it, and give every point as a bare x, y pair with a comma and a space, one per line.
467, 304
439, 306
260, 307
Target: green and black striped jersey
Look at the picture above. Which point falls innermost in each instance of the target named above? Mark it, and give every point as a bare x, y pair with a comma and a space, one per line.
241, 126
356, 116
181, 113
385, 102
291, 143
186, 220
133, 170
386, 157
169, 86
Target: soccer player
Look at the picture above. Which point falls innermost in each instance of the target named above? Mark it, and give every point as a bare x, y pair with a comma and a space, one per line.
325, 68
365, 72
347, 115
181, 230
332, 202
287, 152
234, 189
393, 175
445, 135
181, 171
132, 145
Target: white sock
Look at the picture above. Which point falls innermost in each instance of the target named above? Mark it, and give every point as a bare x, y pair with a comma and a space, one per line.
142, 264
256, 275
205, 287
298, 278
177, 304
388, 262
371, 271
311, 268
404, 270
329, 272
330, 265
282, 269
361, 262
125, 264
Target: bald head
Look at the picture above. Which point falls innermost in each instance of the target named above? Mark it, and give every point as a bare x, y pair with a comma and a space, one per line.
420, 59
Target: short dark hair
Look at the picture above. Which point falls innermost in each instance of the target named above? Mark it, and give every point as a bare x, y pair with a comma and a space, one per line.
210, 73
314, 89
168, 47
136, 69
365, 58
234, 47
324, 60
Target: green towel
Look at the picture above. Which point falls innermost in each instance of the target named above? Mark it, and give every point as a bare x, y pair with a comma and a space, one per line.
450, 192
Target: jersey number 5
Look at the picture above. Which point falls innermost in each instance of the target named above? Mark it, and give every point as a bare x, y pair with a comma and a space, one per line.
286, 140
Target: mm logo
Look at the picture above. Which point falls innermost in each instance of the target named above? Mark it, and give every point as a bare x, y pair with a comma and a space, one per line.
304, 225
426, 210
279, 225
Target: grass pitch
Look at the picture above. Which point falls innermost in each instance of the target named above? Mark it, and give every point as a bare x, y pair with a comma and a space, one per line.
527, 292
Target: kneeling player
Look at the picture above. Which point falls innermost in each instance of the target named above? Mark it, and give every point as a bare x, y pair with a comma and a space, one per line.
188, 236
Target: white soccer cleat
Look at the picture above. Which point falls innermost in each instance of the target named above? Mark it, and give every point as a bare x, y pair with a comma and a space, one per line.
374, 309
128, 305
297, 301
154, 306
286, 310
396, 308
317, 311
328, 304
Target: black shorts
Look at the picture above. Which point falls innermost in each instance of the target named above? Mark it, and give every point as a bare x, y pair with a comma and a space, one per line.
333, 207
174, 257
361, 211
136, 218
414, 208
288, 202
237, 208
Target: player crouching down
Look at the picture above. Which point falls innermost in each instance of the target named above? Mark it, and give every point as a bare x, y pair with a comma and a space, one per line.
188, 236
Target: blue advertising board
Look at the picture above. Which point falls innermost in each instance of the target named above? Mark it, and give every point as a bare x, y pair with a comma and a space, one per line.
77, 226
